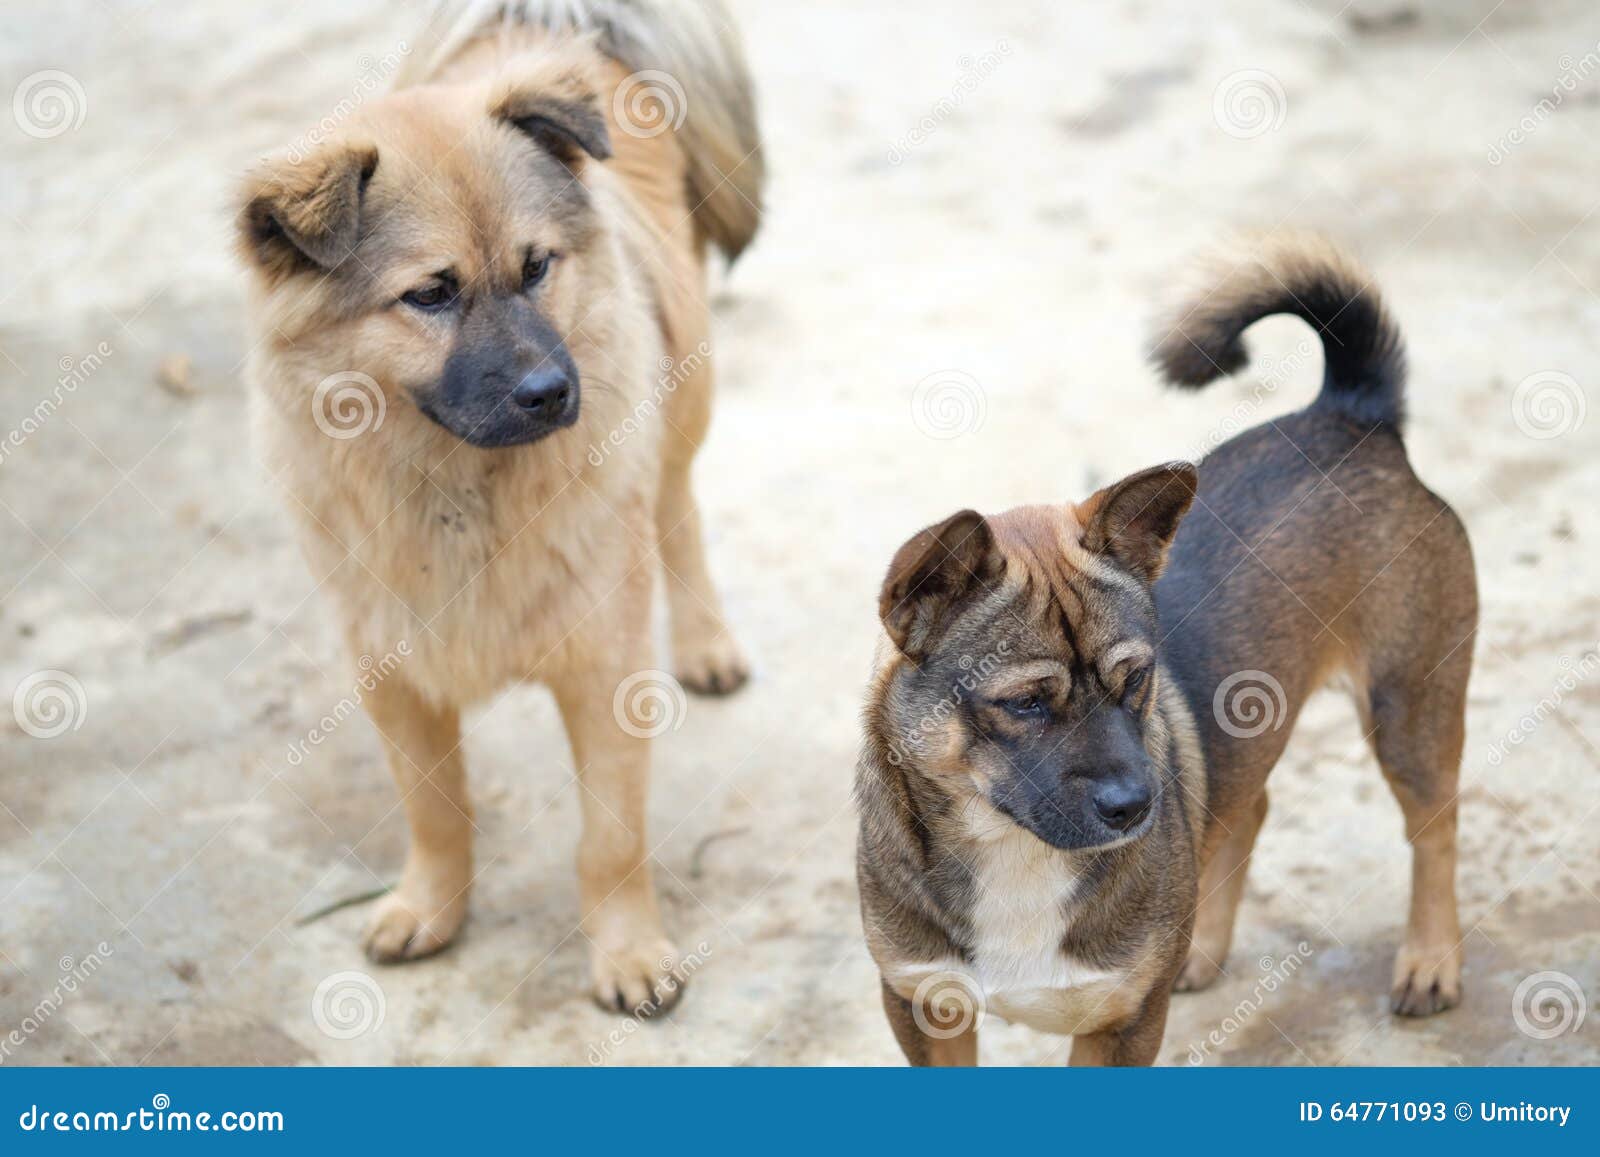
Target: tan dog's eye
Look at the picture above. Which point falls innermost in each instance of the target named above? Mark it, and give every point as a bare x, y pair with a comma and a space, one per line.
534, 269
431, 297
1023, 706
1134, 682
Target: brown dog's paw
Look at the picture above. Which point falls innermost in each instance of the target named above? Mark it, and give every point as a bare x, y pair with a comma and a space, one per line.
1198, 972
1426, 981
642, 981
398, 932
713, 668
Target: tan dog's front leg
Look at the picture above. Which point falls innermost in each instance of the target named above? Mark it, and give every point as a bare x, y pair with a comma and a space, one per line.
422, 743
634, 965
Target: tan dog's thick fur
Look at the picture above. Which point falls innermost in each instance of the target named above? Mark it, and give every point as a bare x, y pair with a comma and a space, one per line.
1075, 710
480, 372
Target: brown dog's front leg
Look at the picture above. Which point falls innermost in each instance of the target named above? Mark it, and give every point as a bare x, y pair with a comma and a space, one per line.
922, 1049
1138, 1042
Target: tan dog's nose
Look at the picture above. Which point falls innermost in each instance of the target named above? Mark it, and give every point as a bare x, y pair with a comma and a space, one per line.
544, 391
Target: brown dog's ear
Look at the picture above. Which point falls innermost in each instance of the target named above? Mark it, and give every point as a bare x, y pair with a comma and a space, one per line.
930, 576
306, 210
556, 101
1133, 521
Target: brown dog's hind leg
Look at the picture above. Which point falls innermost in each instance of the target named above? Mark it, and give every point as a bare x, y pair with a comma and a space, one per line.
422, 743
1221, 887
1418, 728
921, 1049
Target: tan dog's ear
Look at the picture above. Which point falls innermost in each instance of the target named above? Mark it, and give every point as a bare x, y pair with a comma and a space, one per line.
931, 575
1133, 521
556, 100
306, 210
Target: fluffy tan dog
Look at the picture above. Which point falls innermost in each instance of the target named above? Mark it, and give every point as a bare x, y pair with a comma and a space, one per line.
480, 368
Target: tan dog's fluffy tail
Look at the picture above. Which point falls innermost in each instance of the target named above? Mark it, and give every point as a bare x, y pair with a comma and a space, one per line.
1307, 276
688, 73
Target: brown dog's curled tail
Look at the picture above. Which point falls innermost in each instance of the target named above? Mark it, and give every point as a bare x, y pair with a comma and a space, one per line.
1307, 276
687, 71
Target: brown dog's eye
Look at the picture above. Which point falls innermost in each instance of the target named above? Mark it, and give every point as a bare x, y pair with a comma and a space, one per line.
1134, 682
534, 269
1023, 705
431, 297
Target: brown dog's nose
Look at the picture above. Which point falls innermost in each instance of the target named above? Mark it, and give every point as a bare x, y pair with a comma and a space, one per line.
1122, 805
543, 392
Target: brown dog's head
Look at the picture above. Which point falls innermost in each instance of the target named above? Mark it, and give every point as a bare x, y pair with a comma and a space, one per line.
1031, 647
442, 242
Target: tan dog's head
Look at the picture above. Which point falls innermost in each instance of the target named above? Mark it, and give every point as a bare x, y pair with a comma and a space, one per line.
443, 242
1030, 641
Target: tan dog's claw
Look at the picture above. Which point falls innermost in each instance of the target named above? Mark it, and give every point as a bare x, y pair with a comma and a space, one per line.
1425, 982
397, 933
714, 668
642, 982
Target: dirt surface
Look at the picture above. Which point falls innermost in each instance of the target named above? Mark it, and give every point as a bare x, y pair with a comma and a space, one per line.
973, 211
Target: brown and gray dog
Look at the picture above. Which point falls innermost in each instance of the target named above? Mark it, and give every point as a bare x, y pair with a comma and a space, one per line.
478, 312
1066, 754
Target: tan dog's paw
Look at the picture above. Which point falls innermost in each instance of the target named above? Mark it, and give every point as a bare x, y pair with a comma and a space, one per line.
1426, 981
399, 930
714, 667
642, 980
1198, 972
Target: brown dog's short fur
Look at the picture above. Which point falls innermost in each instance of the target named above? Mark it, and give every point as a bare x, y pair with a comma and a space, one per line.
542, 233
1070, 728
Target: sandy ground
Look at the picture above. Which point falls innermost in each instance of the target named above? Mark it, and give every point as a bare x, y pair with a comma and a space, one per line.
987, 194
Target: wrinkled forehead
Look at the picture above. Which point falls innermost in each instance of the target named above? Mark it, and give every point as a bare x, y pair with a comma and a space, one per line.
455, 188
1061, 600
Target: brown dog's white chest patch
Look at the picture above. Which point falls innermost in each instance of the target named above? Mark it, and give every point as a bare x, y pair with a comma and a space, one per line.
1018, 921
